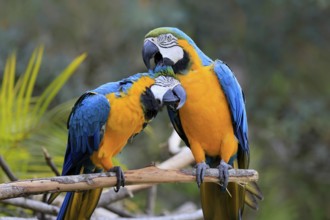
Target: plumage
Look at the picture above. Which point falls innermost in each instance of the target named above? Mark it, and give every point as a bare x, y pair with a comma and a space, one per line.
100, 124
212, 122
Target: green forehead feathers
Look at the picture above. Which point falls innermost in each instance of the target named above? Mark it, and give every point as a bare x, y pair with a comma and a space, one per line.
166, 30
164, 71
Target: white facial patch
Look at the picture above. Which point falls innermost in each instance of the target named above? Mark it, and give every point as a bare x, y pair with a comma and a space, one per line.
159, 92
162, 85
174, 53
168, 46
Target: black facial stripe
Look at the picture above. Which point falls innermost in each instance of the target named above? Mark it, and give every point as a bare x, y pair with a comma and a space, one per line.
182, 64
167, 62
149, 104
167, 45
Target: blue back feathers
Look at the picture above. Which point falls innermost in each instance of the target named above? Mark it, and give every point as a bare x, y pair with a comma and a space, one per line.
121, 86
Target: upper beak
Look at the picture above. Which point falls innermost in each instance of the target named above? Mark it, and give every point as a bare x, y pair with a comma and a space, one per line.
175, 97
148, 52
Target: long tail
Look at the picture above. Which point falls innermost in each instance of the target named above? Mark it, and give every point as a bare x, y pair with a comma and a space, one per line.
228, 204
252, 195
65, 205
79, 205
218, 203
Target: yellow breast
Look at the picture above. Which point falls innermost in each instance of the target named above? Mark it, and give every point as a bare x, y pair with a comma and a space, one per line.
126, 118
126, 115
205, 117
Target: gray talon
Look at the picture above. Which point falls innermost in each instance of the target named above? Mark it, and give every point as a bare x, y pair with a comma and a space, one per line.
120, 177
200, 172
223, 173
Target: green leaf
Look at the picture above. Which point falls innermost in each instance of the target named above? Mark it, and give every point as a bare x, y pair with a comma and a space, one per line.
26, 124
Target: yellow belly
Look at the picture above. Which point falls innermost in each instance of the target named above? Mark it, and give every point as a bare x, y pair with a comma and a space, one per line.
126, 119
205, 117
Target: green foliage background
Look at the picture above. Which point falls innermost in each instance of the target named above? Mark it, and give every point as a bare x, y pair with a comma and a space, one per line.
279, 51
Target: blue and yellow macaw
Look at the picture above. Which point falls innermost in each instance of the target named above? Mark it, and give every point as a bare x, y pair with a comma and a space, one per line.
103, 120
212, 122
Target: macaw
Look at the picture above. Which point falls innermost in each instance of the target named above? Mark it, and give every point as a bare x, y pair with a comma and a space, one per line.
213, 121
103, 120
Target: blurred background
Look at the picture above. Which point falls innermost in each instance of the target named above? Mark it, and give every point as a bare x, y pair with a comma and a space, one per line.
279, 50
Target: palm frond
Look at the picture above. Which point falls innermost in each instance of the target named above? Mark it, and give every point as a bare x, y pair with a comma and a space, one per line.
26, 125
50, 92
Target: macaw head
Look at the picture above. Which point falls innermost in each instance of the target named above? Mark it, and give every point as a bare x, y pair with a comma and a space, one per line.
171, 47
167, 90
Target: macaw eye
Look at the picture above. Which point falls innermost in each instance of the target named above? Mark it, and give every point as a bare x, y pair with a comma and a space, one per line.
160, 38
166, 40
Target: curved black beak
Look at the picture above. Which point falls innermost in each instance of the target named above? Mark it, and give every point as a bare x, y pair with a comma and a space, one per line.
148, 52
176, 97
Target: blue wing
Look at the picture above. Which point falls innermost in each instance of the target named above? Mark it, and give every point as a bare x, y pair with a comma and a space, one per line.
236, 102
85, 123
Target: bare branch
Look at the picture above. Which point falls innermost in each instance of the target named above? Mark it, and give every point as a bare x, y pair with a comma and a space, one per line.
111, 196
174, 143
148, 175
119, 211
151, 200
17, 218
182, 159
33, 205
7, 170
50, 162
178, 161
197, 215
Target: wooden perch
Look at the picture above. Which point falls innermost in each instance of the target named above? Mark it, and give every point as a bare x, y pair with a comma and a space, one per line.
148, 175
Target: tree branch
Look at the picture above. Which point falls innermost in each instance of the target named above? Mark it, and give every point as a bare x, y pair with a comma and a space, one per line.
50, 162
148, 175
7, 170
182, 159
33, 205
197, 215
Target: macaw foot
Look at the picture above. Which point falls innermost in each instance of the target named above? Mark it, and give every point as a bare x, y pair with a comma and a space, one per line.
200, 172
223, 173
120, 177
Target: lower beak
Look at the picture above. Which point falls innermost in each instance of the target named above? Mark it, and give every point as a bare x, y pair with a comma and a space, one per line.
175, 97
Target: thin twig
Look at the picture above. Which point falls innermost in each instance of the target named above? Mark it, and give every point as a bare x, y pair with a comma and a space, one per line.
151, 200
50, 162
7, 170
120, 212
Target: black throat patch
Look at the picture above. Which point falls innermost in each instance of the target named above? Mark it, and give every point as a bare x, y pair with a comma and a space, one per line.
182, 64
149, 104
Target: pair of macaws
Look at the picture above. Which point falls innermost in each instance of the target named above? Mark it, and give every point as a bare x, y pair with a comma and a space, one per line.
206, 107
